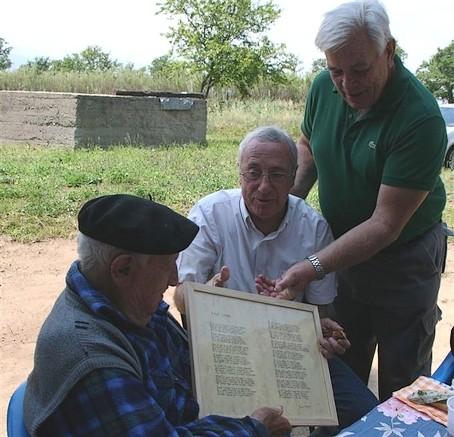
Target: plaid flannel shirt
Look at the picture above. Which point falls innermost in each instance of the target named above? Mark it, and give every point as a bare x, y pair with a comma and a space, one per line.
113, 402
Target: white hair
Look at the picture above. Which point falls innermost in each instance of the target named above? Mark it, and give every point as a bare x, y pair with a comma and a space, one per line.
340, 23
270, 134
96, 256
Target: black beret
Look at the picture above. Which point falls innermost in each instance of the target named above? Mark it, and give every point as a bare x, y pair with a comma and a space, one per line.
136, 224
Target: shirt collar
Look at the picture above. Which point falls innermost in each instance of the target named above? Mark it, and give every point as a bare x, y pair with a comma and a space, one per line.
394, 90
247, 219
98, 303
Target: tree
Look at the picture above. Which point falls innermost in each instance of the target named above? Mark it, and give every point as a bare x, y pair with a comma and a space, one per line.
166, 66
223, 41
90, 59
318, 65
437, 74
38, 65
94, 59
401, 52
5, 50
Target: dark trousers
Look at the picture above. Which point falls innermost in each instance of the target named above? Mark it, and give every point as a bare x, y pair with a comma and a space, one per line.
352, 397
391, 301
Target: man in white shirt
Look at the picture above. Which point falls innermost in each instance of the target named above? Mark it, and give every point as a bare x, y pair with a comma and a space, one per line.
257, 232
229, 237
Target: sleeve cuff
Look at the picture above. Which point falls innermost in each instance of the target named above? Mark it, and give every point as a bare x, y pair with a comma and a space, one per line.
259, 428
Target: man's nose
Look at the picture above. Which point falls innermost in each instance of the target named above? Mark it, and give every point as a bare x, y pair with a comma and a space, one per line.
265, 182
349, 82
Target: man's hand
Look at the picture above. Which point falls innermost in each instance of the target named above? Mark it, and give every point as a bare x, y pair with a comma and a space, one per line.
178, 298
294, 280
216, 281
272, 418
334, 340
220, 278
265, 286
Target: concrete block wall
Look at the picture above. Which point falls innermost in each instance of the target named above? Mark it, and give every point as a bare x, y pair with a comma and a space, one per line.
84, 120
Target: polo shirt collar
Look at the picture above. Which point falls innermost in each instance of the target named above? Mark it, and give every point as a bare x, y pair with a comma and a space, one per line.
394, 90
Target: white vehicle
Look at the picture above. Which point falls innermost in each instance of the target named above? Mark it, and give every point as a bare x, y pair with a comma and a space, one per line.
447, 111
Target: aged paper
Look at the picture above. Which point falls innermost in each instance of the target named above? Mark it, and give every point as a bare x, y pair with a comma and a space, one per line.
250, 351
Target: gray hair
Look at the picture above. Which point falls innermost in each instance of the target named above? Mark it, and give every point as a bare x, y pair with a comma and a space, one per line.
96, 256
341, 22
270, 134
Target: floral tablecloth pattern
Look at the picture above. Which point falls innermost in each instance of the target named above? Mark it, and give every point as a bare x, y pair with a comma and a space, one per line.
394, 418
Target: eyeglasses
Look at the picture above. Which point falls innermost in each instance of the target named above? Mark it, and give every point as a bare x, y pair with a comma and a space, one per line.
274, 177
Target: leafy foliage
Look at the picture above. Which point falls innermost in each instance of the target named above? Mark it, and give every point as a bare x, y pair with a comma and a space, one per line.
437, 74
401, 52
90, 59
5, 50
39, 64
224, 41
318, 65
167, 66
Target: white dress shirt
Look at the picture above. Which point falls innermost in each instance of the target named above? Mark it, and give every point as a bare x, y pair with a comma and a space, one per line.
228, 237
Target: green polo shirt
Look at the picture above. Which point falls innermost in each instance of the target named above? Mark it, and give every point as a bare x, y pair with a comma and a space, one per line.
399, 142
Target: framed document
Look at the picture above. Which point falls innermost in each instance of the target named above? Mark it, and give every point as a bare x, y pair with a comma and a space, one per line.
251, 351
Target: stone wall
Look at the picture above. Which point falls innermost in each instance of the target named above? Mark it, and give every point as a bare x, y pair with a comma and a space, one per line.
84, 120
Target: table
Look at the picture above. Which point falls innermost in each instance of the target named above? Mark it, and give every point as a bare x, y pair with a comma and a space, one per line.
394, 418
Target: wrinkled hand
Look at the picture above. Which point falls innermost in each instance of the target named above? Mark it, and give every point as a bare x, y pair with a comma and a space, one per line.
220, 278
334, 340
273, 419
294, 280
265, 286
216, 281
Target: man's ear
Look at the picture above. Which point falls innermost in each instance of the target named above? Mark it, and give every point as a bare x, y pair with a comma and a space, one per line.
294, 175
121, 268
391, 51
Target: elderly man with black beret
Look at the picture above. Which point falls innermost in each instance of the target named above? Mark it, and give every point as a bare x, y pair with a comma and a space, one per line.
110, 359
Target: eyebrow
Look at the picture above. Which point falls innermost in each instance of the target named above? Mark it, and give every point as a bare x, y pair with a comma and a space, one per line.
357, 65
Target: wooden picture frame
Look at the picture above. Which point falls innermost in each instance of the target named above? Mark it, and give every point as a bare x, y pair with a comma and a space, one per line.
250, 351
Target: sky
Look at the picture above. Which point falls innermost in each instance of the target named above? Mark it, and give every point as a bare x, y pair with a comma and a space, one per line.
132, 32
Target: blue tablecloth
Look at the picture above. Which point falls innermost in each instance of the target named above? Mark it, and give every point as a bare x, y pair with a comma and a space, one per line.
394, 418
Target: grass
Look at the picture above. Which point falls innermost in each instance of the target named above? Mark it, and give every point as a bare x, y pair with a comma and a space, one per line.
42, 189
294, 88
448, 214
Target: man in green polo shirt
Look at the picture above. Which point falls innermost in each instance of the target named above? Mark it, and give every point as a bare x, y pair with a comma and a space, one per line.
374, 138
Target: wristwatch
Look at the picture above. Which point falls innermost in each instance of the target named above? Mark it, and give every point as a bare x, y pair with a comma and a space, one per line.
316, 264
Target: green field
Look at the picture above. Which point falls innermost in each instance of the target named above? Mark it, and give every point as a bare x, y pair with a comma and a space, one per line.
41, 189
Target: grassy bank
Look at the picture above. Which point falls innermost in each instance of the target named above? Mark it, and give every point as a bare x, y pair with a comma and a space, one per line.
41, 189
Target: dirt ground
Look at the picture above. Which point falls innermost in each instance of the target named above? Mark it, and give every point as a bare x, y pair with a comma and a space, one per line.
32, 275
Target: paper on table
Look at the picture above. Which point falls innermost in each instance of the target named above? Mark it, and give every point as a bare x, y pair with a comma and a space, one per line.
424, 383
